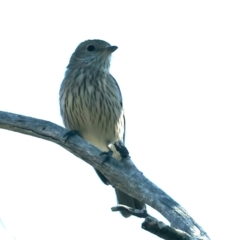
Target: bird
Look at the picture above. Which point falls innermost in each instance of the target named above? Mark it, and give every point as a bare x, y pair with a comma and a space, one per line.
91, 104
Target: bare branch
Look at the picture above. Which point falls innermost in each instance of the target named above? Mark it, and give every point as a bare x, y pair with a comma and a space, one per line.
164, 231
121, 174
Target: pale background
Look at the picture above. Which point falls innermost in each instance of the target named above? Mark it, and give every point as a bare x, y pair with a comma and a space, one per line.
178, 69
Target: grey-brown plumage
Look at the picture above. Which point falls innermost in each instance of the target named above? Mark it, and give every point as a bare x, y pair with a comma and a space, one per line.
91, 103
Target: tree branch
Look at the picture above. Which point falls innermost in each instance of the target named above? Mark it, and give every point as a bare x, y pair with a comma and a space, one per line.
121, 174
162, 230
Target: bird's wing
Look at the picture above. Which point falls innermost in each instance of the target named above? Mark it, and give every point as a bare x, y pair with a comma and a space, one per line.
120, 94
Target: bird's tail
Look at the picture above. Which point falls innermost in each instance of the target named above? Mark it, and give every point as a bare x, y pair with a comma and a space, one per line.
124, 199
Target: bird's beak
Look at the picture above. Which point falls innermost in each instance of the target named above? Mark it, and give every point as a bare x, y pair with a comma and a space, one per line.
110, 50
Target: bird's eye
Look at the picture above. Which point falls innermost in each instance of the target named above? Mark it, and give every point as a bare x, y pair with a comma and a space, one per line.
90, 48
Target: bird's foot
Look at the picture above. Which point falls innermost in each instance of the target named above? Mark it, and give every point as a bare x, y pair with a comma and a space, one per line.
107, 156
120, 147
69, 134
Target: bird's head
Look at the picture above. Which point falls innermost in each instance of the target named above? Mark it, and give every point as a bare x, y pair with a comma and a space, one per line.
92, 53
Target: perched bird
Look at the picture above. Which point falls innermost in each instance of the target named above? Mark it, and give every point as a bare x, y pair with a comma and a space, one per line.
91, 103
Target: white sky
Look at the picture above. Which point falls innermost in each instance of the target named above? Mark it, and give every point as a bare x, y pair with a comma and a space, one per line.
178, 69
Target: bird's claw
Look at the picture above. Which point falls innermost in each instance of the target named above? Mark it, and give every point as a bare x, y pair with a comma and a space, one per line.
120, 147
70, 134
107, 155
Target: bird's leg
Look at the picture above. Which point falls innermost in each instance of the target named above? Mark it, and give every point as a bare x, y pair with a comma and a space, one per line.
107, 155
116, 150
120, 147
69, 134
